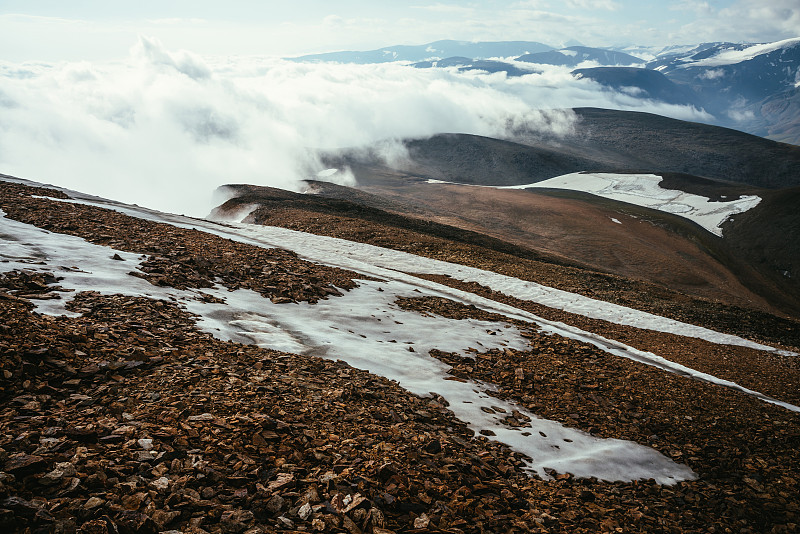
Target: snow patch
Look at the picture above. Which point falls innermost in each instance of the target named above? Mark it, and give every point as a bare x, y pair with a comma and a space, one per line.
644, 190
388, 263
326, 173
366, 329
369, 331
730, 57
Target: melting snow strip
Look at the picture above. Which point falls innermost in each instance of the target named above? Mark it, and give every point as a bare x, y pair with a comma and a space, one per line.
644, 190
604, 459
382, 262
363, 327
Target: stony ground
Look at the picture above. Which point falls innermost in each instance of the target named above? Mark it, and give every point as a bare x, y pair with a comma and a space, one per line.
771, 374
127, 419
547, 270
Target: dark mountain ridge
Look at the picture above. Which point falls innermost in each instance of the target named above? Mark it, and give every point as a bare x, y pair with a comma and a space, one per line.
604, 140
574, 55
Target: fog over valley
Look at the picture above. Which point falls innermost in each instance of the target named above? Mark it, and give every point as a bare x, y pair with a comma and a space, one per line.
164, 128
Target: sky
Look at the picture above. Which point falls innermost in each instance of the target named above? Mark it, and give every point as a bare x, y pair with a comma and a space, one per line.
50, 30
158, 103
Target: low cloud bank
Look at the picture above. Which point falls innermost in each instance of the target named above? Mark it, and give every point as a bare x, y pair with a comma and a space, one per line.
163, 129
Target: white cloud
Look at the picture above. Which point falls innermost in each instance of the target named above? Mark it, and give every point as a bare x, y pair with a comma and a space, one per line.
333, 20
177, 21
740, 116
531, 4
301, 27
712, 74
745, 21
609, 5
163, 129
448, 9
691, 5
152, 52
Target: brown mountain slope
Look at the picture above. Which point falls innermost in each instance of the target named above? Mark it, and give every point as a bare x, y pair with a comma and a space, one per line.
602, 235
750, 266
127, 418
695, 270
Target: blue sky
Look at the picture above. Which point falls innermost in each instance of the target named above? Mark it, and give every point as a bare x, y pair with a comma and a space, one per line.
105, 29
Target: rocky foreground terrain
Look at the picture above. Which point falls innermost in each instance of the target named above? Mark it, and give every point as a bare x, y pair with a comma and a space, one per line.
128, 418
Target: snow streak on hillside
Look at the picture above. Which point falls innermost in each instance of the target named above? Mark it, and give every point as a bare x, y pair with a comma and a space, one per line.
365, 328
368, 330
644, 190
731, 57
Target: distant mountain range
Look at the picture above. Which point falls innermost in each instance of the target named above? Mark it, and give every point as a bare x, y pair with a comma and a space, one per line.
759, 84
643, 83
465, 64
431, 51
751, 87
572, 56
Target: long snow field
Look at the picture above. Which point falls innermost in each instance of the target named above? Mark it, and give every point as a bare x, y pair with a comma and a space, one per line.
644, 190
368, 330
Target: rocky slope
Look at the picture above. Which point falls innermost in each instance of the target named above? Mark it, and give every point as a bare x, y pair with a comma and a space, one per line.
127, 417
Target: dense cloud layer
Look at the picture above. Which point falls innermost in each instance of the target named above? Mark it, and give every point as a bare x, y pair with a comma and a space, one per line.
163, 129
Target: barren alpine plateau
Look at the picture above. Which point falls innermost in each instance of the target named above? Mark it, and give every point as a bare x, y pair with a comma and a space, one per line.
595, 329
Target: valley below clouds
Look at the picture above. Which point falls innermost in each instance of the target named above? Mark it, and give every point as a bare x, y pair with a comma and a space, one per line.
164, 128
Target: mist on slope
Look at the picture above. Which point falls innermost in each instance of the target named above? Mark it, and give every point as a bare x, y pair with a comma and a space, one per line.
163, 129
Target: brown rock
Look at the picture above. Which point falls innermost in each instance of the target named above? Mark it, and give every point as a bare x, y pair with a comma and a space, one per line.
349, 525
62, 469
162, 518
135, 501
275, 504
422, 521
235, 521
22, 464
93, 502
282, 480
96, 526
